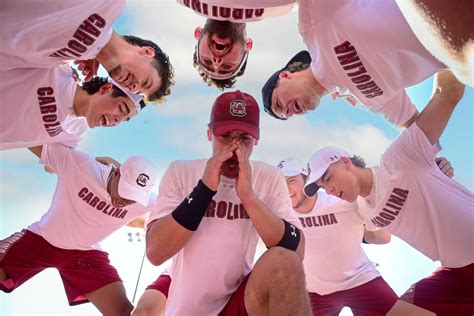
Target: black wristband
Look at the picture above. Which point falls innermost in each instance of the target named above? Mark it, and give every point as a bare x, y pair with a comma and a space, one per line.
365, 241
191, 211
291, 237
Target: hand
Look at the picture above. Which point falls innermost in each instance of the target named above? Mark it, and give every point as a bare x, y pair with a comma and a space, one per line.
49, 170
88, 68
212, 173
108, 161
243, 186
445, 166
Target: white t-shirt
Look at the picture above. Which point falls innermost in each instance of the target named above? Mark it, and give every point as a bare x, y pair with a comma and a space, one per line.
334, 259
37, 108
414, 200
81, 213
221, 251
240, 10
42, 34
367, 47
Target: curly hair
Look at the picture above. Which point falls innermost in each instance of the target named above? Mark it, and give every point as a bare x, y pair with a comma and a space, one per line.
162, 65
218, 83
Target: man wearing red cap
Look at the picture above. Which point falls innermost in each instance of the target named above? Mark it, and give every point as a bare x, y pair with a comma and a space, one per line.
209, 216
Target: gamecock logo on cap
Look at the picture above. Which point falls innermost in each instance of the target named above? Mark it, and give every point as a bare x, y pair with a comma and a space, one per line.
238, 108
142, 179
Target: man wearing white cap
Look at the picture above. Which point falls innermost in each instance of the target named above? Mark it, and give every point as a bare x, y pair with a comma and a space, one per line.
209, 216
408, 196
338, 272
222, 46
44, 34
46, 105
91, 201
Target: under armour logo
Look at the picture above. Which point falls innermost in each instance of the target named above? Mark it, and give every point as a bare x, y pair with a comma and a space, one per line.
333, 157
189, 199
293, 233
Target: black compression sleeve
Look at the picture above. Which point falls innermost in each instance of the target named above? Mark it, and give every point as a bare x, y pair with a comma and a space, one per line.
191, 211
291, 237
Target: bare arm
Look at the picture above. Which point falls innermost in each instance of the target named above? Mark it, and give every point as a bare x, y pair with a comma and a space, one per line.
377, 237
447, 92
36, 150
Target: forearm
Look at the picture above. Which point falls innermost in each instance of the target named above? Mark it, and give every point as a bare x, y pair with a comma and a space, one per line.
164, 238
377, 237
270, 227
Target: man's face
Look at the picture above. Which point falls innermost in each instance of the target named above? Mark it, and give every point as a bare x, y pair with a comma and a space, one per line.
106, 110
245, 141
339, 181
295, 189
294, 95
112, 189
221, 48
136, 71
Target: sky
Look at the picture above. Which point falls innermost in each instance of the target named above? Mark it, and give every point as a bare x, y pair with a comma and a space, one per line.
177, 130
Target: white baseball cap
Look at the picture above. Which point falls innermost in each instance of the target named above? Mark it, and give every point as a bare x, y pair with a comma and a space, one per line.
319, 163
137, 178
292, 167
137, 98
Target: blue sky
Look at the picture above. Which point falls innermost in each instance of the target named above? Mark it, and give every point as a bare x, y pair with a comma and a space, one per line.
177, 130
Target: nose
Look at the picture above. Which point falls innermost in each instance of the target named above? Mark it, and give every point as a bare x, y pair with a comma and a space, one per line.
216, 61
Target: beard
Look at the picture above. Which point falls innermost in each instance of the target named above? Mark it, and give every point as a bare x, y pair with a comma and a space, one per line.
225, 29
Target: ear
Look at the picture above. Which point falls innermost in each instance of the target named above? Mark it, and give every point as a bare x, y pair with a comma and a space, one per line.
248, 44
285, 74
197, 32
105, 88
147, 51
347, 163
256, 142
209, 135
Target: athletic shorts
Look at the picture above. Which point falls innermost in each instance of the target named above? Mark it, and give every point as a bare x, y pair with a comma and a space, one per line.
448, 291
162, 284
373, 298
25, 254
235, 306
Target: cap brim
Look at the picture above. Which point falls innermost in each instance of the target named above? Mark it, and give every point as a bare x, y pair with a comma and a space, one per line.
267, 90
129, 192
222, 127
311, 187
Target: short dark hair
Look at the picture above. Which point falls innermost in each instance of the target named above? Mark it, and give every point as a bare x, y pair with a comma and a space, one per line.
162, 65
95, 83
358, 161
218, 83
297, 66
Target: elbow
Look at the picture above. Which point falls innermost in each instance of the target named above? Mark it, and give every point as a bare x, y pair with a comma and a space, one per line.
154, 256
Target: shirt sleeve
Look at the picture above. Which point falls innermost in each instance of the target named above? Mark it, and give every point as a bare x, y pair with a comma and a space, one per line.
398, 110
169, 196
411, 151
56, 156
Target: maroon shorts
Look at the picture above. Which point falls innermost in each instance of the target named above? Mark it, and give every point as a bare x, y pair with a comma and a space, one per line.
373, 298
448, 291
236, 304
25, 254
162, 284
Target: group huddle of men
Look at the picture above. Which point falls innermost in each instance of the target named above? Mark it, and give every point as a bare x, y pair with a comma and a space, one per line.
209, 214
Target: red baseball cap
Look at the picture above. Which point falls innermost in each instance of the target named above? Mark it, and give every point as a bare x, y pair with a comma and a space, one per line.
235, 111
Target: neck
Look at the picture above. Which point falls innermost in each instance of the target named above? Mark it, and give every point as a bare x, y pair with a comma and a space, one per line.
81, 102
108, 56
366, 180
315, 84
307, 204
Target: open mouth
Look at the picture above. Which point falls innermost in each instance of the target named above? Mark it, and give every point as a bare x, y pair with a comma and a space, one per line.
232, 163
299, 109
340, 195
103, 121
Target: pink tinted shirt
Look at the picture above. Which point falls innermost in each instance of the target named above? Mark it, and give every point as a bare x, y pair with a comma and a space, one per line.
220, 253
414, 200
42, 34
37, 108
240, 10
367, 48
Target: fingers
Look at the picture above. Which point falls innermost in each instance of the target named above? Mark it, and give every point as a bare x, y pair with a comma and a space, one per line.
445, 166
